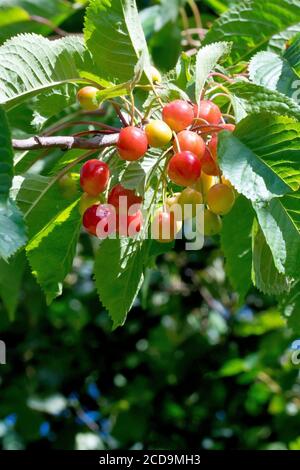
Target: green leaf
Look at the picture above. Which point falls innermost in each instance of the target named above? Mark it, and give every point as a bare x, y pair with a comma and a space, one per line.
290, 307
6, 158
261, 158
52, 102
137, 174
114, 35
273, 72
118, 286
11, 275
280, 223
12, 230
206, 60
31, 64
51, 252
249, 98
40, 200
236, 245
250, 25
265, 275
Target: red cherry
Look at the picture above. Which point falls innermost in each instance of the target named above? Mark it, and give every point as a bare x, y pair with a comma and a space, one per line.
191, 142
96, 214
209, 161
129, 225
213, 147
94, 177
184, 168
132, 143
209, 111
118, 192
209, 165
178, 115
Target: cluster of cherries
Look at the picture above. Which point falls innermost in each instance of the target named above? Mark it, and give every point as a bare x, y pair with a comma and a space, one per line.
193, 165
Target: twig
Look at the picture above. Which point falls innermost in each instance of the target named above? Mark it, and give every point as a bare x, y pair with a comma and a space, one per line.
65, 142
40, 19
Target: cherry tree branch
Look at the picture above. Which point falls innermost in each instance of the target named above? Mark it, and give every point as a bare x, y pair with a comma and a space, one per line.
65, 142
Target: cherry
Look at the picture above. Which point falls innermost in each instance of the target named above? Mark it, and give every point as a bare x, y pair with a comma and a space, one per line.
189, 199
87, 98
212, 223
87, 201
209, 166
203, 185
178, 115
213, 147
94, 177
129, 225
172, 200
158, 133
155, 75
208, 111
132, 143
190, 141
164, 227
184, 168
229, 127
220, 199
99, 214
118, 192
68, 186
209, 161
227, 182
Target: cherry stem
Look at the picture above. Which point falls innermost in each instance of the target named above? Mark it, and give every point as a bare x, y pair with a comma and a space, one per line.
40, 19
221, 75
118, 111
196, 13
176, 141
132, 108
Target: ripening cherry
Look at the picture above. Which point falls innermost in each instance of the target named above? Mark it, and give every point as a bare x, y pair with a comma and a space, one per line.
229, 127
118, 192
178, 115
189, 199
99, 214
203, 185
184, 168
158, 133
220, 199
68, 185
94, 177
208, 111
228, 183
172, 200
212, 223
132, 143
155, 75
164, 227
129, 225
191, 142
87, 98
87, 201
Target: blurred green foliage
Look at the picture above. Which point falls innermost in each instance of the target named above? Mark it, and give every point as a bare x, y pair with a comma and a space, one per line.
191, 368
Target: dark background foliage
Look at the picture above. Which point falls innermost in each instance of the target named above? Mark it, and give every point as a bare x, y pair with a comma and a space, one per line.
190, 369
